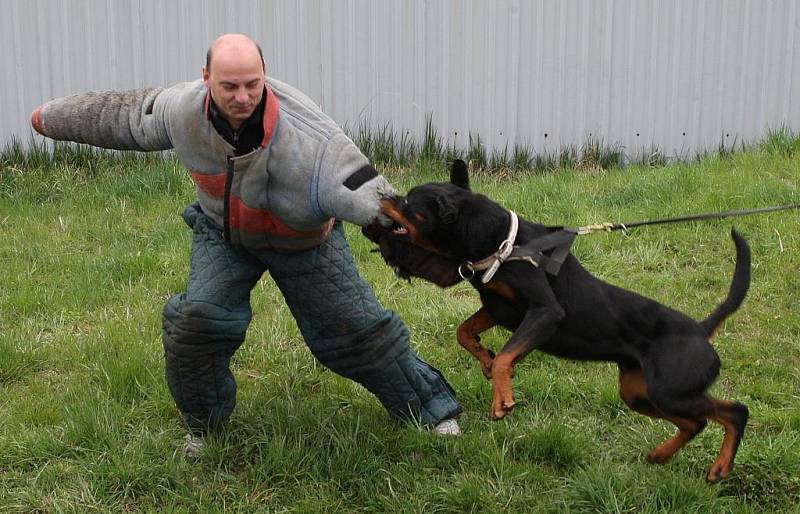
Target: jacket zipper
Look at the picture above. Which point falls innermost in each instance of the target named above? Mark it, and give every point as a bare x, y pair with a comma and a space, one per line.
227, 199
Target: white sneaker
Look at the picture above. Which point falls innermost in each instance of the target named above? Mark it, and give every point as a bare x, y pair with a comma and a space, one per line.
448, 427
193, 446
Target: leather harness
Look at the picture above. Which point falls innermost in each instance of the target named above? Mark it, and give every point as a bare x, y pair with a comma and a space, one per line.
558, 242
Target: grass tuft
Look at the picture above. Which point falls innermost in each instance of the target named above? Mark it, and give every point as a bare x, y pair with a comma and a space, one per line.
476, 153
596, 155
781, 142
432, 149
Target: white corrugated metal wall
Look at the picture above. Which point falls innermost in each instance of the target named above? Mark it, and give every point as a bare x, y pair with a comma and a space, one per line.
681, 75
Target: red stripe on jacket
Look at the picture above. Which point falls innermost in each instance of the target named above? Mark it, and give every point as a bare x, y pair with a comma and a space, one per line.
261, 221
248, 219
270, 116
214, 185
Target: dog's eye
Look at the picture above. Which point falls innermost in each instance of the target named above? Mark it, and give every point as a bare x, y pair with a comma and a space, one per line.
419, 216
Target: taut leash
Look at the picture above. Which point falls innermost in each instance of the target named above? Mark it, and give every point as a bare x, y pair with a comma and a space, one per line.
608, 227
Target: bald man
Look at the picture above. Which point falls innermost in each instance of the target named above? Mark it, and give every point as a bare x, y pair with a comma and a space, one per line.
274, 177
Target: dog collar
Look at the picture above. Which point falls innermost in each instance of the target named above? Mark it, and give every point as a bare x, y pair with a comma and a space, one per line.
491, 263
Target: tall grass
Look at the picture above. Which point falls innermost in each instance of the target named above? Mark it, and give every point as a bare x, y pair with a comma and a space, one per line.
92, 246
387, 147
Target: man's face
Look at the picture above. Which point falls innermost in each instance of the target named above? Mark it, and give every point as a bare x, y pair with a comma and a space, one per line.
236, 81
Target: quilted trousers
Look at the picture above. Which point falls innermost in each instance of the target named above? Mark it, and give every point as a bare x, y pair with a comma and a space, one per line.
341, 321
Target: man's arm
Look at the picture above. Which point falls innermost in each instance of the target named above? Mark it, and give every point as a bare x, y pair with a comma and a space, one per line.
350, 188
119, 120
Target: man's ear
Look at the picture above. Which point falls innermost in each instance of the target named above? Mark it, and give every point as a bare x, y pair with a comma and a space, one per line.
447, 210
459, 174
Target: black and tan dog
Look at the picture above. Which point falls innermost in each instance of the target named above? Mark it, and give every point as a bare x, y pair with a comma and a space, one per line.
444, 231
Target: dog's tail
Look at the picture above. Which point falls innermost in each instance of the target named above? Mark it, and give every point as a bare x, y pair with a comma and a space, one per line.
738, 289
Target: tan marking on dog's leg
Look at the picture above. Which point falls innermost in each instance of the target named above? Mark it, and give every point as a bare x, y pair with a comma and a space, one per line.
502, 392
687, 429
467, 336
633, 391
733, 417
632, 386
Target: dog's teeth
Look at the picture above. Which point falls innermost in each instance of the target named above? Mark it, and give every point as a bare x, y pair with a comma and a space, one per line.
400, 231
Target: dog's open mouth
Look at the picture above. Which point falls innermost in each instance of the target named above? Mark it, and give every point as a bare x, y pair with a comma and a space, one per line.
393, 208
398, 248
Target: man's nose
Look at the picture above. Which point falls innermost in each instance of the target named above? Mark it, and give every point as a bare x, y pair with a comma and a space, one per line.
241, 95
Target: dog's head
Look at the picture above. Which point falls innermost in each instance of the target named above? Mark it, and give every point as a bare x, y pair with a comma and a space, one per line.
435, 228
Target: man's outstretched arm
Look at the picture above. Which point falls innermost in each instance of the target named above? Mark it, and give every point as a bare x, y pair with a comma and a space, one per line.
119, 120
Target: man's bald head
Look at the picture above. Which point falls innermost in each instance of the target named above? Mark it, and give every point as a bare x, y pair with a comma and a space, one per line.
233, 42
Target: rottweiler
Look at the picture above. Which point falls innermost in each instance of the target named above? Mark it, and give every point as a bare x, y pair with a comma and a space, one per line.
530, 284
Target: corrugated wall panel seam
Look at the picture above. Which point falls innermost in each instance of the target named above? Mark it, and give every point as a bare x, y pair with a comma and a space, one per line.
19, 71
794, 101
790, 21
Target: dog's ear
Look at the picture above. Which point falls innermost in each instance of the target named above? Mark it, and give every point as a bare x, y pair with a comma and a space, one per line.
446, 209
459, 174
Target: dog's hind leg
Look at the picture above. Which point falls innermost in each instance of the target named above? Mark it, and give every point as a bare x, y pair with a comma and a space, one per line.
468, 336
733, 416
687, 430
633, 391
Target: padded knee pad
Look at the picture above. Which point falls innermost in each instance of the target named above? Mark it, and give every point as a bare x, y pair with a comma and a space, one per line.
199, 340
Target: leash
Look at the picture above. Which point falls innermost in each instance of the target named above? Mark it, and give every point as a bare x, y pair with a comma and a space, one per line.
608, 227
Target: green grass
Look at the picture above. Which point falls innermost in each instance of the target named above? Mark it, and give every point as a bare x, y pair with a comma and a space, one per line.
92, 246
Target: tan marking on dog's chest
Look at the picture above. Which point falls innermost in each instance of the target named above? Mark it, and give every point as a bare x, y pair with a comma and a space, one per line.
502, 289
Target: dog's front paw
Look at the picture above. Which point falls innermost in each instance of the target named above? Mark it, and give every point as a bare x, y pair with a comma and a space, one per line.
719, 470
657, 456
502, 393
502, 404
500, 411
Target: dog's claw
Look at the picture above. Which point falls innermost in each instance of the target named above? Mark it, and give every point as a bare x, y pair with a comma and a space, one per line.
718, 472
657, 458
502, 411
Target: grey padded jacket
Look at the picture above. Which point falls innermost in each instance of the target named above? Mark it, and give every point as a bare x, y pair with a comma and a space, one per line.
283, 196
